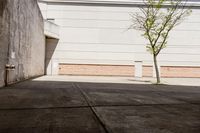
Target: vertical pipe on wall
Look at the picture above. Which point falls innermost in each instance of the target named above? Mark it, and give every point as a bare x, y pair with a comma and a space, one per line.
8, 49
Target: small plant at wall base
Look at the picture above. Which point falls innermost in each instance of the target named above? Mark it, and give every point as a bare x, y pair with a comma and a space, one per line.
156, 19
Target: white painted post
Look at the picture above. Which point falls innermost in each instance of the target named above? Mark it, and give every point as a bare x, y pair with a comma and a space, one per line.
49, 67
138, 69
55, 68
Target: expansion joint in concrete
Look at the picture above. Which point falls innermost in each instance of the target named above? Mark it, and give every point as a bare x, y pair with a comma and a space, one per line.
41, 108
92, 108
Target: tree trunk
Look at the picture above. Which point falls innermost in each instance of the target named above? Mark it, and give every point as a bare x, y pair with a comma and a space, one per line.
156, 69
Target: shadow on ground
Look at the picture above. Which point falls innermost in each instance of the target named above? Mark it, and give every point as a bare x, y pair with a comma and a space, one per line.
80, 107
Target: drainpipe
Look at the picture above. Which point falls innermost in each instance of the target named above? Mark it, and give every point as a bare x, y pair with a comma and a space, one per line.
7, 66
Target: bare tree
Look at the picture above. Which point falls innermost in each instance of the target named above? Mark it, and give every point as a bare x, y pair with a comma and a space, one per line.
156, 19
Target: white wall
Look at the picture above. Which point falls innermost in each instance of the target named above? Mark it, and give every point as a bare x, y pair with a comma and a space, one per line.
43, 8
99, 35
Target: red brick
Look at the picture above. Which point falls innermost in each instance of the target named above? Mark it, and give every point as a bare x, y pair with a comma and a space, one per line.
180, 71
95, 70
147, 71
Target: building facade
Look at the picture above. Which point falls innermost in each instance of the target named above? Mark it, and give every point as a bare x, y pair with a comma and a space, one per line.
94, 40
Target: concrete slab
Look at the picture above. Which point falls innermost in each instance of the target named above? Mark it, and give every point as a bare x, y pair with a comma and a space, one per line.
151, 119
115, 86
43, 106
176, 88
35, 94
71, 120
188, 97
124, 94
189, 94
123, 80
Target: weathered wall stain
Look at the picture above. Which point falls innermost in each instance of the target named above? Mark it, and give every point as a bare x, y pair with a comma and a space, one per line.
22, 40
2, 7
4, 40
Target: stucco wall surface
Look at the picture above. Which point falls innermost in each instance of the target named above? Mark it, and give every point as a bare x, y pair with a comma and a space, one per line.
22, 40
97, 33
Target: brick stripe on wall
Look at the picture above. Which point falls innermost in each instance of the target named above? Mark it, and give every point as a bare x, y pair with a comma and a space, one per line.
96, 70
147, 71
128, 70
180, 72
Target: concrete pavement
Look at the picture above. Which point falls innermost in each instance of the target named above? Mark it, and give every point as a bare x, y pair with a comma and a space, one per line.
47, 105
124, 80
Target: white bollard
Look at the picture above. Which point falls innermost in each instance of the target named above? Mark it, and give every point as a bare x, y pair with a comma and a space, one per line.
138, 69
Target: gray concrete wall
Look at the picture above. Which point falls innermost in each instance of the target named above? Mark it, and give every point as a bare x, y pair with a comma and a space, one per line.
22, 40
4, 40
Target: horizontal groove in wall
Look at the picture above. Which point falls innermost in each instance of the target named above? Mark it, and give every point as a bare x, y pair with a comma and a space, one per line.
91, 43
90, 11
113, 12
131, 4
121, 52
114, 28
125, 60
91, 19
180, 66
92, 64
127, 20
102, 11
